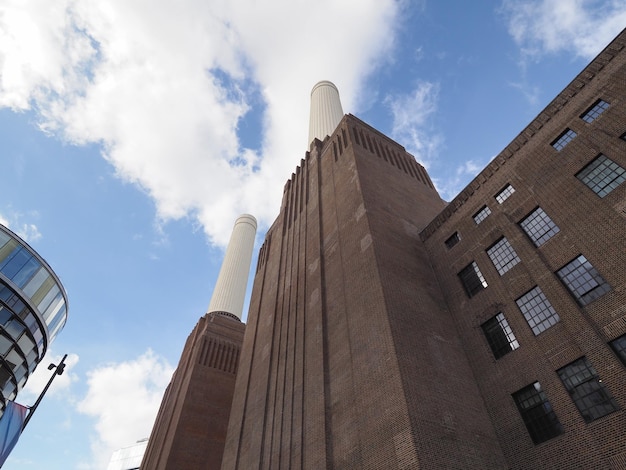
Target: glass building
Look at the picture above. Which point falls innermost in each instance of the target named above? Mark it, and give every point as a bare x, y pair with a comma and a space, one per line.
33, 309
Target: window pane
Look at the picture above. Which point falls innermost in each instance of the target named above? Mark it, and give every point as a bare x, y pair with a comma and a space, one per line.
592, 113
583, 281
453, 240
589, 394
503, 256
499, 335
564, 139
505, 193
481, 214
602, 175
539, 418
537, 310
472, 279
619, 346
539, 227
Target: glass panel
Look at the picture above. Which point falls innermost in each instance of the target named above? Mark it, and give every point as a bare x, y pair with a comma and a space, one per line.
54, 307
43, 290
5, 315
537, 310
25, 343
503, 256
14, 328
47, 300
7, 251
35, 283
27, 271
5, 345
14, 263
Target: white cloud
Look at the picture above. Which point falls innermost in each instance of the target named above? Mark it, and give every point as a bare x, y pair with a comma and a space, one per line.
124, 399
14, 220
455, 182
412, 114
582, 27
163, 88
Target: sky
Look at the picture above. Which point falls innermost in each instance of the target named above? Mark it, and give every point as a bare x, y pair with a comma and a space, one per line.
134, 132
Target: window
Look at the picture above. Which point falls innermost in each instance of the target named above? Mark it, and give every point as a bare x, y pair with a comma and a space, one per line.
505, 193
539, 227
565, 138
537, 310
481, 214
539, 418
503, 256
499, 336
453, 240
588, 392
619, 347
592, 113
472, 279
602, 175
583, 281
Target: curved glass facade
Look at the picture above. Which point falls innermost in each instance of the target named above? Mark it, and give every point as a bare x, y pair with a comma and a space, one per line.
33, 309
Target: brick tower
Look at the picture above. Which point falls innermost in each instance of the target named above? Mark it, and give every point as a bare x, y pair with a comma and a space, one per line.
351, 359
190, 428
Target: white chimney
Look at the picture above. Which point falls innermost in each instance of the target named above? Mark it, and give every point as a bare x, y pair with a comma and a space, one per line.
326, 111
230, 288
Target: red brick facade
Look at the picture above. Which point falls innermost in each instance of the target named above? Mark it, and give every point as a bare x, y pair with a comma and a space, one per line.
190, 428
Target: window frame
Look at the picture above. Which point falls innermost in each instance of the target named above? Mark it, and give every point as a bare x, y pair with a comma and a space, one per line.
581, 381
618, 346
499, 335
538, 321
571, 280
563, 139
598, 167
474, 285
503, 255
595, 111
481, 214
504, 193
546, 222
452, 240
537, 413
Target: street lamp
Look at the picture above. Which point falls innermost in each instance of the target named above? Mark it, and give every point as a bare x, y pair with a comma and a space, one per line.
59, 371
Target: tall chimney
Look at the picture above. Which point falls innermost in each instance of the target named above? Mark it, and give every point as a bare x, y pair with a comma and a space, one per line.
230, 288
326, 111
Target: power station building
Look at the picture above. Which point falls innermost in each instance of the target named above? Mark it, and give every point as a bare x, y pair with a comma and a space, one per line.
33, 310
389, 329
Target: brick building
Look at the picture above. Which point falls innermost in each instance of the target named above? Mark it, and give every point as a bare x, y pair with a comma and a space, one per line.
388, 329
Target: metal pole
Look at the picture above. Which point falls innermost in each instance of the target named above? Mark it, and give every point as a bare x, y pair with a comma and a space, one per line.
59, 370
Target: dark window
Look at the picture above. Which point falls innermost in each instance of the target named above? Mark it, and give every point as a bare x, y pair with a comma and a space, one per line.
505, 193
583, 281
539, 418
503, 256
602, 175
499, 335
619, 346
588, 393
592, 113
537, 310
453, 240
539, 227
565, 138
472, 279
481, 214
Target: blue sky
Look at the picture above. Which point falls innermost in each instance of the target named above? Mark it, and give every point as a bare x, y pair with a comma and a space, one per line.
133, 133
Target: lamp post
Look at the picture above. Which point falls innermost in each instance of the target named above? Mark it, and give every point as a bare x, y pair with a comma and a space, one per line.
59, 371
